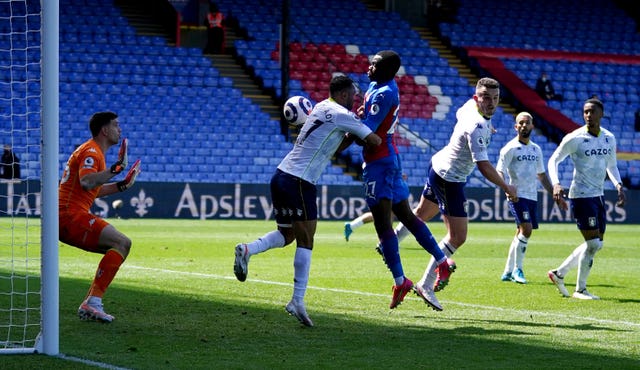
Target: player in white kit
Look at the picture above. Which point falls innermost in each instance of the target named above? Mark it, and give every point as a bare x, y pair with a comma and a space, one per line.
293, 186
592, 150
521, 159
447, 175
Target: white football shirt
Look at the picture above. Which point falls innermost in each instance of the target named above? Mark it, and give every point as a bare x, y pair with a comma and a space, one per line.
321, 134
468, 144
593, 157
522, 162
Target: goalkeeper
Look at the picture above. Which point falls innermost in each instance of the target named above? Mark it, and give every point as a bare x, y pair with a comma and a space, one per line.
85, 178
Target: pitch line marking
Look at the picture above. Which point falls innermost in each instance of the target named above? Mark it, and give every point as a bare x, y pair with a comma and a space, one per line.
368, 294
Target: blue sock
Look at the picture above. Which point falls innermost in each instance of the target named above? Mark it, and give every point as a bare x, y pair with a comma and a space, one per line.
424, 237
389, 242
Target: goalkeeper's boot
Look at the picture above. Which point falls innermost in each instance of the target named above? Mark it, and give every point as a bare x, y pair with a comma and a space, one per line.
297, 309
559, 282
93, 312
444, 271
506, 276
241, 264
347, 231
518, 276
428, 296
399, 292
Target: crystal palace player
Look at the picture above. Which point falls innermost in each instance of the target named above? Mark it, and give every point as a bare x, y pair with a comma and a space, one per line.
592, 150
85, 178
293, 189
386, 191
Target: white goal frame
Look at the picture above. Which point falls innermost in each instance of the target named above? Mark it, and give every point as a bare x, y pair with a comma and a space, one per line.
47, 341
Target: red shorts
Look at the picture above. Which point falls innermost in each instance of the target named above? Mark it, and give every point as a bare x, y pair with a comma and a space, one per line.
81, 230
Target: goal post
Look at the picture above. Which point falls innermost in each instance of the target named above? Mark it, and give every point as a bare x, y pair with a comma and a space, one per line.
29, 281
50, 332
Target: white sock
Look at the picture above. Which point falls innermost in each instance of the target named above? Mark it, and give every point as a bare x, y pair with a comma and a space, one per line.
521, 248
571, 261
586, 261
429, 276
402, 232
301, 266
356, 223
94, 301
273, 239
511, 257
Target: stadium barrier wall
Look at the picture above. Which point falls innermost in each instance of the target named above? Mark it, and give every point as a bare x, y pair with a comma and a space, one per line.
252, 201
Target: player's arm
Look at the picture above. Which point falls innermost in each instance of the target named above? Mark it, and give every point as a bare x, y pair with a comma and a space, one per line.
561, 152
546, 183
94, 179
490, 173
614, 176
120, 186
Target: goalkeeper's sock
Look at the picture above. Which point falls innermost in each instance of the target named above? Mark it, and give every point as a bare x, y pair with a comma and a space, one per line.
273, 239
301, 266
107, 269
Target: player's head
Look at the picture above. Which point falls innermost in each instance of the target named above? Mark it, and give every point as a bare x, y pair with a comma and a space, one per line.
384, 66
101, 119
487, 96
342, 90
524, 125
592, 112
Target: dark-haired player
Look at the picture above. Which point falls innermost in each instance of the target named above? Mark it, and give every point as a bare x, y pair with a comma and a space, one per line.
293, 186
385, 189
592, 150
85, 178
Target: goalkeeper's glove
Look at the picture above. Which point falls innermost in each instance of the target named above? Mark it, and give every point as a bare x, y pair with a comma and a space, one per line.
130, 178
121, 164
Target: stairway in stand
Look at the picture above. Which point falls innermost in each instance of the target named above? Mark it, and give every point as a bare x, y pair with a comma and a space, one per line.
141, 18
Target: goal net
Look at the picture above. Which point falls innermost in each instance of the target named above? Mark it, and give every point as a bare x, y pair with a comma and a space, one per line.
29, 171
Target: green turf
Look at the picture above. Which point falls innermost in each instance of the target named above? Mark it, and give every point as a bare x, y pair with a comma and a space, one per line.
178, 305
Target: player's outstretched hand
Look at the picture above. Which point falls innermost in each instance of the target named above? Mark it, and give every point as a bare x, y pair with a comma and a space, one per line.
121, 164
130, 178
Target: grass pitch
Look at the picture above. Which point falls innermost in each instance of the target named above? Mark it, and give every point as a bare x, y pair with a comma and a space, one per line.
178, 305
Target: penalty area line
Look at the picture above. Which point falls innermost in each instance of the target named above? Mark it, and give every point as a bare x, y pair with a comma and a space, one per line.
369, 294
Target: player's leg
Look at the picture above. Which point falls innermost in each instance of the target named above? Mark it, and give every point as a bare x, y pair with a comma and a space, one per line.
593, 234
511, 259
427, 209
304, 231
279, 238
452, 204
93, 234
350, 227
383, 185
304, 227
582, 211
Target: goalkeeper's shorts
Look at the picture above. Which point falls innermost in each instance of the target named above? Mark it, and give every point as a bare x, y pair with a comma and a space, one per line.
81, 230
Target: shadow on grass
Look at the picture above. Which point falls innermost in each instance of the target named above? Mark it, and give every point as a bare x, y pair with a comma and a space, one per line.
153, 330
